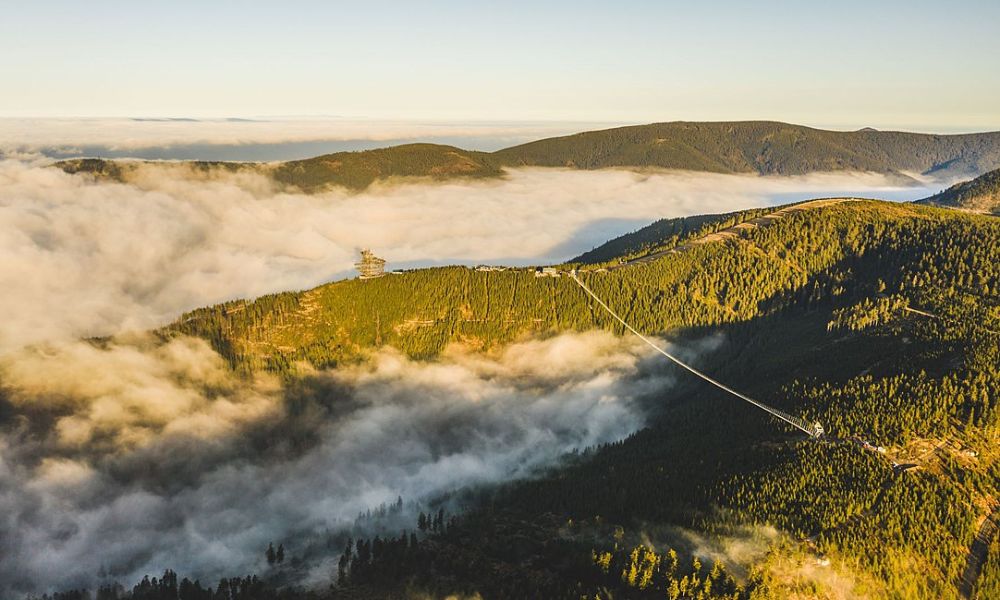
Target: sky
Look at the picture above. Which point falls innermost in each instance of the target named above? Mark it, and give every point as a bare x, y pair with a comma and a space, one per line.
910, 65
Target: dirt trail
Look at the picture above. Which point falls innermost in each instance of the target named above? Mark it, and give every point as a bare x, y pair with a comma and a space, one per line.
736, 230
977, 555
940, 318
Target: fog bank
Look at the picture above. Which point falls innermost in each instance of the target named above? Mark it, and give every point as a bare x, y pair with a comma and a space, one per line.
84, 258
258, 138
166, 461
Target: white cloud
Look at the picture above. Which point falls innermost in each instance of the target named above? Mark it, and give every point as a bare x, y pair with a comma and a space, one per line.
69, 135
84, 258
141, 490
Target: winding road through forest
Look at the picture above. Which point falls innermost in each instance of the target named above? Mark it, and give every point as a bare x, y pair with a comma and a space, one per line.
977, 555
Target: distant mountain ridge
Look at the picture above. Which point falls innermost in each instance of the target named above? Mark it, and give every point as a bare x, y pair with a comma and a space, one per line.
750, 147
762, 147
351, 170
981, 194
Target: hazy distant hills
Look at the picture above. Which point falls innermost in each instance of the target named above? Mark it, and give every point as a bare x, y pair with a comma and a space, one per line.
981, 194
352, 170
761, 147
358, 170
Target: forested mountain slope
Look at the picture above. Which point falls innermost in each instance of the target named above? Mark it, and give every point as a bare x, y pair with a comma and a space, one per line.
748, 277
357, 170
879, 320
352, 170
761, 147
981, 194
665, 232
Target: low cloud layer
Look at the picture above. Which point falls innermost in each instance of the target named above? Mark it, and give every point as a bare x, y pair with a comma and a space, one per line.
258, 139
126, 396
166, 461
84, 258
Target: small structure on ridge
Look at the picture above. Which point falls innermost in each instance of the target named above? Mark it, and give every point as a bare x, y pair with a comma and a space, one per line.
370, 266
546, 272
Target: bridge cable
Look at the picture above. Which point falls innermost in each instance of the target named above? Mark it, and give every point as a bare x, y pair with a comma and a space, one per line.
813, 430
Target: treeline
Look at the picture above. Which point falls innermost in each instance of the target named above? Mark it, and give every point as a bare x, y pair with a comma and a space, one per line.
645, 573
533, 563
168, 587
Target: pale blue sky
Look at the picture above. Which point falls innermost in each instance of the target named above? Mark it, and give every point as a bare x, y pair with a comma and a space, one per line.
918, 65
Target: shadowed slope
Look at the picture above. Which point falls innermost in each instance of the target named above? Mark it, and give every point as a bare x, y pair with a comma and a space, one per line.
981, 194
763, 147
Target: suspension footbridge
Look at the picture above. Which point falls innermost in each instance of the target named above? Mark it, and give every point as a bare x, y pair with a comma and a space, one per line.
813, 429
